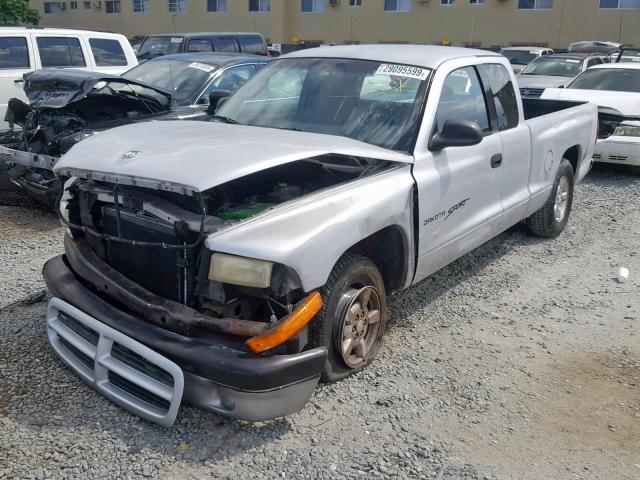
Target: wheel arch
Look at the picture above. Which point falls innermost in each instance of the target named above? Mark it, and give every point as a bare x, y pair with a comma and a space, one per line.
574, 154
387, 249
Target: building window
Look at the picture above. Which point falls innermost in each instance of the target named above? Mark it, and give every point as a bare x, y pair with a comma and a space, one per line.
355, 3
397, 5
112, 6
140, 5
176, 6
87, 5
73, 5
620, 4
51, 7
313, 6
218, 6
259, 5
447, 2
477, 2
535, 4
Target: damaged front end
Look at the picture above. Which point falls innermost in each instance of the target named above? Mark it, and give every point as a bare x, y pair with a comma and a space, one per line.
136, 261
65, 107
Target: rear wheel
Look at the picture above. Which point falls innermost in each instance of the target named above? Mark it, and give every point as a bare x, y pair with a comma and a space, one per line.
351, 322
552, 218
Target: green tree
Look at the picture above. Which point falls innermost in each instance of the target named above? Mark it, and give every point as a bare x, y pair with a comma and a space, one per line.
14, 12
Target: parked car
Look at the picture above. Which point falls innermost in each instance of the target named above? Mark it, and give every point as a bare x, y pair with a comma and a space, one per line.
520, 57
594, 47
192, 77
28, 49
626, 55
612, 87
170, 87
265, 260
202, 42
553, 71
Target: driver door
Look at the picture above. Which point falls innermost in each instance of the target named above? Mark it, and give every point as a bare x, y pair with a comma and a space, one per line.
458, 187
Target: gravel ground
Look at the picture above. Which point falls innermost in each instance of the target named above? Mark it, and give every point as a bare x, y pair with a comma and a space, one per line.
521, 360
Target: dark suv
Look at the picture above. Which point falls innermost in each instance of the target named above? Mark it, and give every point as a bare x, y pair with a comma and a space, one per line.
168, 43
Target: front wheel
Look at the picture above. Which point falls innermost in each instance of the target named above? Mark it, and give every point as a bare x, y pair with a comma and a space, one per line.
552, 218
351, 322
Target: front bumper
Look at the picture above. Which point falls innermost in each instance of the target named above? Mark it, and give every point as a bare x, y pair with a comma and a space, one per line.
620, 150
153, 368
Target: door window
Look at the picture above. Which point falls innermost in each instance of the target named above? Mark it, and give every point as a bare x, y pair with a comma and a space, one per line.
200, 45
252, 44
503, 94
230, 80
107, 53
60, 52
462, 98
14, 52
226, 44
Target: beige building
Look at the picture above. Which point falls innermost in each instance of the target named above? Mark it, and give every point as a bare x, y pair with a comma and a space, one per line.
485, 23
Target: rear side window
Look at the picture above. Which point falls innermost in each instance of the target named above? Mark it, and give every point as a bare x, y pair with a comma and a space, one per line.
252, 44
14, 52
60, 52
108, 53
226, 44
462, 99
503, 93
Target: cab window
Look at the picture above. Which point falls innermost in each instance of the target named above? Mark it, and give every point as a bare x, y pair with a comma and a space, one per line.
462, 98
14, 52
107, 53
503, 95
60, 52
227, 44
200, 45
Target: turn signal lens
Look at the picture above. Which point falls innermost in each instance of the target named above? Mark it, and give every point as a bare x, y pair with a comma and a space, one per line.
288, 326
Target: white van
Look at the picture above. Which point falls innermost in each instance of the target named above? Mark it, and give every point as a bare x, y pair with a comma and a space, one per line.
24, 50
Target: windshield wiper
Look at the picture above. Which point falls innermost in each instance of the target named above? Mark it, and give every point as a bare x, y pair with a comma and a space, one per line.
224, 119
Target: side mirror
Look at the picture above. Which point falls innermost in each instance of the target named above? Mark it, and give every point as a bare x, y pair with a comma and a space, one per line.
215, 97
456, 133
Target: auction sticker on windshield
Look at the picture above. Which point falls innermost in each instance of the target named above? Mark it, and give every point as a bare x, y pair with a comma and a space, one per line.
201, 66
403, 71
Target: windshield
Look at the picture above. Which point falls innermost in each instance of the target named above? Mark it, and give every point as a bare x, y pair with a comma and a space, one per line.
365, 100
554, 67
153, 46
612, 79
183, 79
519, 57
627, 56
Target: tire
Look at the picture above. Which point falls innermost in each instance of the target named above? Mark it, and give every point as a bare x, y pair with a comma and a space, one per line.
351, 280
545, 222
635, 170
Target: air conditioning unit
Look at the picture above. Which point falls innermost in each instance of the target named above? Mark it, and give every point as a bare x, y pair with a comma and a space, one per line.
97, 4
334, 3
62, 5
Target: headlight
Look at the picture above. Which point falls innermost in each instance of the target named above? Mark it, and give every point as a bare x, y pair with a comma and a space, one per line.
248, 272
627, 131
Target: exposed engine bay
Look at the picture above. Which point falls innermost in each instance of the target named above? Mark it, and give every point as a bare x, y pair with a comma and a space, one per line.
155, 238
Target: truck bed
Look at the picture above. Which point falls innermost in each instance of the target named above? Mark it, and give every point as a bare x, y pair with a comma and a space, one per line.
535, 107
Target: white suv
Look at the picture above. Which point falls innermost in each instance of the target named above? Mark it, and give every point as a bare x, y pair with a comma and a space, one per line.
23, 50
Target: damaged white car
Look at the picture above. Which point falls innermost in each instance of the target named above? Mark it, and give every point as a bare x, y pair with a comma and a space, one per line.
233, 264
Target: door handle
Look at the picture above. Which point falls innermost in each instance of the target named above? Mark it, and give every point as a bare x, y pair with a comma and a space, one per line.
496, 160
18, 81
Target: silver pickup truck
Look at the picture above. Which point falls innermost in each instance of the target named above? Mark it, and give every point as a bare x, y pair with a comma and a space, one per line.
234, 263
